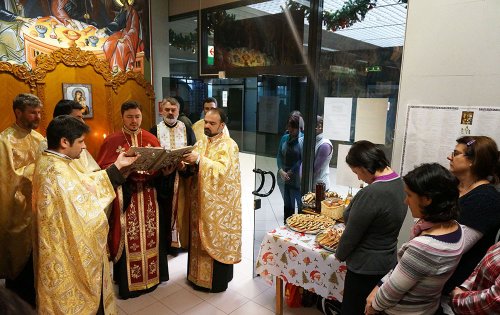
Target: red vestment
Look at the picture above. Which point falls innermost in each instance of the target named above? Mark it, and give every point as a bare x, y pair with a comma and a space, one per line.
121, 46
134, 219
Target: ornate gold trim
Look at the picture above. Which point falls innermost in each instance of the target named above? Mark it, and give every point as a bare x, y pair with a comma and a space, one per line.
121, 77
40, 92
20, 72
73, 57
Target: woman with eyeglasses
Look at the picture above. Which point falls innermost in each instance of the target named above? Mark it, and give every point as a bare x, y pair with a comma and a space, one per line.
475, 162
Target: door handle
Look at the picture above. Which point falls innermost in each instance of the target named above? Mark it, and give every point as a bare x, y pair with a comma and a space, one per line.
262, 182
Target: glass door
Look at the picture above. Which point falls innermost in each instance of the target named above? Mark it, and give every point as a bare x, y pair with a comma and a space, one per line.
277, 97
257, 110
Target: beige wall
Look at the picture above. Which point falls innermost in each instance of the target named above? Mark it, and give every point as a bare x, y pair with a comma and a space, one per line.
160, 48
451, 57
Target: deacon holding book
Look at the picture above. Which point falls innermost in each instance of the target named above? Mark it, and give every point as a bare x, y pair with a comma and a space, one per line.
134, 237
173, 190
70, 226
215, 243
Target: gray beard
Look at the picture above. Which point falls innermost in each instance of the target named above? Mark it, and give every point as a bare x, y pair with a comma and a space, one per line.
170, 121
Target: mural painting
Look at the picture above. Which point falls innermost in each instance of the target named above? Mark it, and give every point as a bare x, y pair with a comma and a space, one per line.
114, 30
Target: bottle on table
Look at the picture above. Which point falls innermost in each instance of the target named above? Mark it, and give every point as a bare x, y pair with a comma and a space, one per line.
348, 198
320, 195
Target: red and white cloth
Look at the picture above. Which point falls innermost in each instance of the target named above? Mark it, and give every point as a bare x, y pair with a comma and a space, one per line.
296, 258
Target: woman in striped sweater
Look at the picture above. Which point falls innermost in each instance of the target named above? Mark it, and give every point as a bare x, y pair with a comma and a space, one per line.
431, 255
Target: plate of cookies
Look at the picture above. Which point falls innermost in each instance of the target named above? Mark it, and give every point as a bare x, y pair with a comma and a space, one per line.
329, 238
309, 223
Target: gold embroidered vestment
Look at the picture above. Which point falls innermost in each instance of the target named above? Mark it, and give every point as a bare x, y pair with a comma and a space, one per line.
216, 221
19, 149
70, 245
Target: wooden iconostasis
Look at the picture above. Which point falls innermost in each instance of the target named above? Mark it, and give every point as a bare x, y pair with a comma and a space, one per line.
74, 66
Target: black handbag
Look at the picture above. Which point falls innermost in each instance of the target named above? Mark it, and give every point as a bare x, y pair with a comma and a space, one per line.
328, 307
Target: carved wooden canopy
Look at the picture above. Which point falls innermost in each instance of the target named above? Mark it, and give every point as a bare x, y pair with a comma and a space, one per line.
73, 65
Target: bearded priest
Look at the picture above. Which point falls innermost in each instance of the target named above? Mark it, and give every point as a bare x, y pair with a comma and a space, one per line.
216, 207
174, 189
134, 239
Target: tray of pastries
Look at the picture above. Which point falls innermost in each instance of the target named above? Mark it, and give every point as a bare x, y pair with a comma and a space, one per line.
331, 194
309, 200
309, 223
329, 238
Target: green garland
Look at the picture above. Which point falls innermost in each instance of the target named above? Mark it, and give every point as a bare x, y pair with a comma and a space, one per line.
216, 21
353, 11
220, 20
186, 42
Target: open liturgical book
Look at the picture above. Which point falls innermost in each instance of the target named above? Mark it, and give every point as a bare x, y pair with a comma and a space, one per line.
155, 158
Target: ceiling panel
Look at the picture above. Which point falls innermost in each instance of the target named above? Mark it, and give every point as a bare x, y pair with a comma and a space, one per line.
383, 26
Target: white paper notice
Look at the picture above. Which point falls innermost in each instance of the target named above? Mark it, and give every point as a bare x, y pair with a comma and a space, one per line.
371, 118
268, 114
337, 118
345, 176
487, 123
430, 135
432, 130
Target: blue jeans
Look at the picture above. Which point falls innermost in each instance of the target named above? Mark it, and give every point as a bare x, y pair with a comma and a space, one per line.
291, 196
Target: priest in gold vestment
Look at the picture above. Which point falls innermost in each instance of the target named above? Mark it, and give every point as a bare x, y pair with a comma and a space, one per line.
72, 268
19, 148
86, 162
216, 210
199, 126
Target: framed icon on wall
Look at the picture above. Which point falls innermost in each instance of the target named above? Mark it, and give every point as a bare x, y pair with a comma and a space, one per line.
81, 93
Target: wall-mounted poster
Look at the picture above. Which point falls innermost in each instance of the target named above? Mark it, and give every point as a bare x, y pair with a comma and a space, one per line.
116, 31
337, 118
371, 119
431, 131
81, 93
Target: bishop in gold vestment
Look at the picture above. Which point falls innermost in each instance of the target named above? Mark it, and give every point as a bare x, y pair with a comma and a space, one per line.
216, 212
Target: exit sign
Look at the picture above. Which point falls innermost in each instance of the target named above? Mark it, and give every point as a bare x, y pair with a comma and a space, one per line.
374, 69
210, 55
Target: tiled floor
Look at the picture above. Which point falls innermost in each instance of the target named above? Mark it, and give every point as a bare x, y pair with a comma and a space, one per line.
245, 296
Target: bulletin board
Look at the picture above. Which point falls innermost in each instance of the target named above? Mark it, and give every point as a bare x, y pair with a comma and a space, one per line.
431, 131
